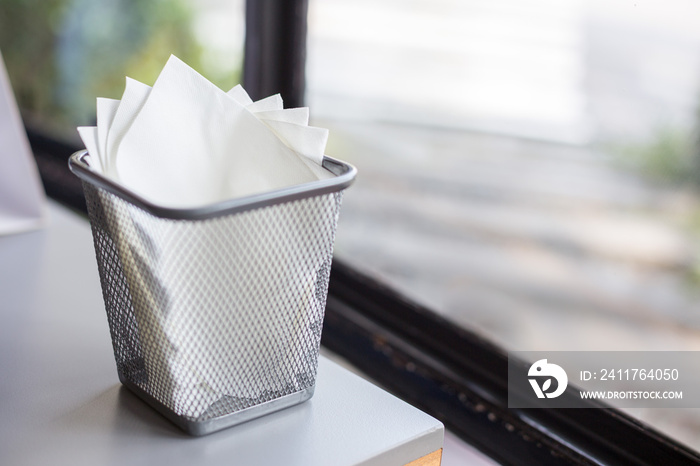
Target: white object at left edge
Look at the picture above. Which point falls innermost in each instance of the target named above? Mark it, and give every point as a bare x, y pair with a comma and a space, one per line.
22, 199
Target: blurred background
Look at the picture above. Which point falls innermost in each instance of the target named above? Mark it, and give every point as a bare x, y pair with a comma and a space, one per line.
529, 169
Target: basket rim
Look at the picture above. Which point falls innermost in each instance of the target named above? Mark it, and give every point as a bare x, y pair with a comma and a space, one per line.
344, 176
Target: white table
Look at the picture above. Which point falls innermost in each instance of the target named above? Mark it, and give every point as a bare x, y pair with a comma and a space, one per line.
61, 402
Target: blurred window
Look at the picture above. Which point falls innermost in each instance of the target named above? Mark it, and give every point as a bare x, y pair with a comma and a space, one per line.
62, 54
527, 169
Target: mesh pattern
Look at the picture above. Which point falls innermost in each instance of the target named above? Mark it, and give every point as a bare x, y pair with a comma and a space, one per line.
213, 316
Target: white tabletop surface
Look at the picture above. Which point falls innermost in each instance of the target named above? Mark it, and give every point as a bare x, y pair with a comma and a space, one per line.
61, 401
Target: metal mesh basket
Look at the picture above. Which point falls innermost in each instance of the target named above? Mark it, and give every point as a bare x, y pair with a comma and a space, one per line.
216, 314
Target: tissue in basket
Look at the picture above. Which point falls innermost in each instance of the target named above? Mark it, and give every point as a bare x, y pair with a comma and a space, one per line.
217, 308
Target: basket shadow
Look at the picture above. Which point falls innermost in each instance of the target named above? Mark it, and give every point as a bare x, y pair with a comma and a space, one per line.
133, 415
118, 413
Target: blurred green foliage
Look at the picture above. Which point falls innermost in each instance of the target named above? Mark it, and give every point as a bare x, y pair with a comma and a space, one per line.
670, 156
62, 54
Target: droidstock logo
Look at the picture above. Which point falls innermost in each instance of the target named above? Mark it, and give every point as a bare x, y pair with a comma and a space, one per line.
543, 371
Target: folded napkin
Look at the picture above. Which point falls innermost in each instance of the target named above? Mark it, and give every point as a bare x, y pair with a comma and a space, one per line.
184, 143
22, 199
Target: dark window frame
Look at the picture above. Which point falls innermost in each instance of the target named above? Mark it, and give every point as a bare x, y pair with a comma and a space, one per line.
451, 373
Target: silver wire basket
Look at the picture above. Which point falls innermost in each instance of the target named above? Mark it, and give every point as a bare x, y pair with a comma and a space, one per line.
215, 313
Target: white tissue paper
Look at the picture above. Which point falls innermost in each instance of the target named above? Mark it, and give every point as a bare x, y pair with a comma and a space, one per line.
184, 143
